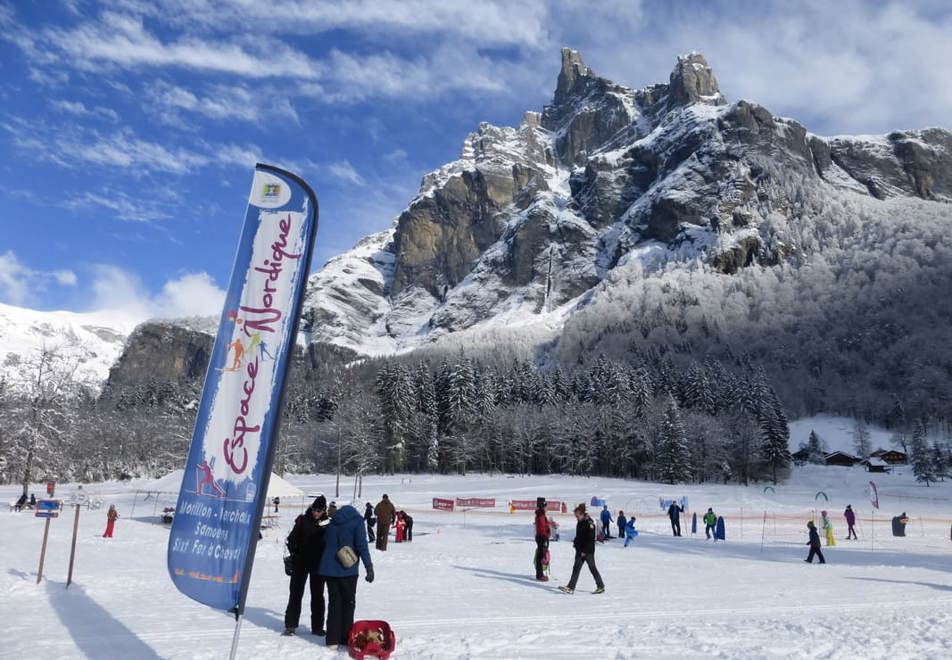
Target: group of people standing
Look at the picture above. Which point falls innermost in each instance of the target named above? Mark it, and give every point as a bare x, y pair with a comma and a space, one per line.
383, 516
325, 549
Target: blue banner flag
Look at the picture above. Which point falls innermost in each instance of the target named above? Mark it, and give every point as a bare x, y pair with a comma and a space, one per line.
215, 529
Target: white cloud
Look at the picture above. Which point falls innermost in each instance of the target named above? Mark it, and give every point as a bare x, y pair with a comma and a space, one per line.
121, 40
79, 109
233, 102
121, 294
344, 171
19, 284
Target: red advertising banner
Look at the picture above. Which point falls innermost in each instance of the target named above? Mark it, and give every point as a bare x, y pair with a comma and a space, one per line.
442, 504
476, 502
552, 506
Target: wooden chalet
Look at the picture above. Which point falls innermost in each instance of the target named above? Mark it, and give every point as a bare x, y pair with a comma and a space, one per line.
891, 456
873, 464
841, 458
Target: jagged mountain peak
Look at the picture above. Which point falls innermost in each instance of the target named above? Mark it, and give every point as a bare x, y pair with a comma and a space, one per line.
693, 81
573, 68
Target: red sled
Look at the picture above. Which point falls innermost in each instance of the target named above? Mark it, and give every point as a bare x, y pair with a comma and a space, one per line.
371, 638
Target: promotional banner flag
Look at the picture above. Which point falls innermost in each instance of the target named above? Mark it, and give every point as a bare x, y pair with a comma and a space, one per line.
215, 529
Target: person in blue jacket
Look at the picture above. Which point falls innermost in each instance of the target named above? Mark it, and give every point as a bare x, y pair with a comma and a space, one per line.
345, 529
606, 522
674, 513
622, 522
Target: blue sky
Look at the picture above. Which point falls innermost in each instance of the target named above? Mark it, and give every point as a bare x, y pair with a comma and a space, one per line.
129, 129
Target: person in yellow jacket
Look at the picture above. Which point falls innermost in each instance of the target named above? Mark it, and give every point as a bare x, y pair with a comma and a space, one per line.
827, 527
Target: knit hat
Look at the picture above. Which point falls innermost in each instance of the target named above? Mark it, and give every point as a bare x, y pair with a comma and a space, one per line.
810, 523
320, 503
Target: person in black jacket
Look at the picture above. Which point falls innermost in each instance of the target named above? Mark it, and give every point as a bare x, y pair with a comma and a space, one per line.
306, 544
584, 552
674, 513
814, 544
408, 532
371, 521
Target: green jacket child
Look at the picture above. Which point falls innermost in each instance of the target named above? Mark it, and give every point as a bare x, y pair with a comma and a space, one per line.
710, 519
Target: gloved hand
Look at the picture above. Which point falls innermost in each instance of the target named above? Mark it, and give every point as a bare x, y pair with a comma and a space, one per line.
370, 574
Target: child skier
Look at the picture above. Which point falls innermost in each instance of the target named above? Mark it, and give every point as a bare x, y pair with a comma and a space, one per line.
620, 519
584, 552
827, 528
111, 517
606, 522
630, 531
542, 532
401, 528
710, 520
814, 544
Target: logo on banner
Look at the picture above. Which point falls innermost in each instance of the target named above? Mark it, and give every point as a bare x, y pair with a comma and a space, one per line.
272, 191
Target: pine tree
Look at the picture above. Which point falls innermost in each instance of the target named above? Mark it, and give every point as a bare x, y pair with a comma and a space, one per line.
922, 460
673, 457
938, 462
861, 437
815, 450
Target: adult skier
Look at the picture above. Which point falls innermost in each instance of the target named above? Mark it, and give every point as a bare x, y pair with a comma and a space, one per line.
710, 520
621, 520
371, 521
850, 521
606, 517
542, 533
584, 544
674, 513
385, 512
814, 544
827, 528
306, 545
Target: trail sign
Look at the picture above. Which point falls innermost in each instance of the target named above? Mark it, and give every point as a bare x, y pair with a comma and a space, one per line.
47, 508
50, 488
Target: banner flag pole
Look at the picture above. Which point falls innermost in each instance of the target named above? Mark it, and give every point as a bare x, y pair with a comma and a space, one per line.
224, 488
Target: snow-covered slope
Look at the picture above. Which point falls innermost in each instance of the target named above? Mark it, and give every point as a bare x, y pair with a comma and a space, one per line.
464, 587
90, 342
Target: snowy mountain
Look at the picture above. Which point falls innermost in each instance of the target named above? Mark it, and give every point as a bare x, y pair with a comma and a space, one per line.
90, 342
529, 219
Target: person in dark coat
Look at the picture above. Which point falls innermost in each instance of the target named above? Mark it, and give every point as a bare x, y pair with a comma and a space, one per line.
622, 521
814, 544
850, 521
606, 517
674, 513
408, 532
371, 521
306, 545
20, 503
542, 534
346, 529
385, 512
584, 544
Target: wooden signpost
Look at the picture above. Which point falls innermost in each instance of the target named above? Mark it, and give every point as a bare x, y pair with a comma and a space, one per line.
45, 509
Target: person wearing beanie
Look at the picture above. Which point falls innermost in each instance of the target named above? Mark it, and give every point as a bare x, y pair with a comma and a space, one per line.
371, 521
306, 545
850, 521
542, 534
814, 543
622, 523
606, 517
385, 512
827, 527
710, 520
674, 513
584, 552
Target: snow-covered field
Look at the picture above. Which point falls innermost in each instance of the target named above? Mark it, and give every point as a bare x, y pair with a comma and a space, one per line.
463, 588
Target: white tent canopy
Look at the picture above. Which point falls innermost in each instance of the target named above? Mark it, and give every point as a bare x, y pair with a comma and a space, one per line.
172, 482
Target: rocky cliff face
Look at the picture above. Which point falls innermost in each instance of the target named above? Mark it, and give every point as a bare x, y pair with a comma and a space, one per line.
529, 219
162, 352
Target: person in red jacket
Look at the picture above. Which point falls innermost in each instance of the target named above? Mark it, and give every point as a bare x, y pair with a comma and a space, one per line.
542, 532
401, 527
110, 521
